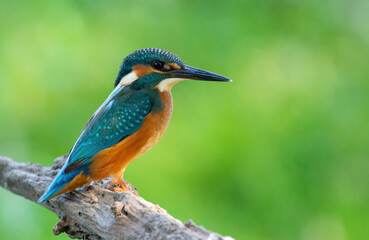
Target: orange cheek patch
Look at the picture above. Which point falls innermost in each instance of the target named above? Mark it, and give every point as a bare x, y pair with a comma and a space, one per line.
174, 66
142, 70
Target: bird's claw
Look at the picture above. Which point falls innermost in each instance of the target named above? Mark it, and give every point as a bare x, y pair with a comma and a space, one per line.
124, 186
115, 182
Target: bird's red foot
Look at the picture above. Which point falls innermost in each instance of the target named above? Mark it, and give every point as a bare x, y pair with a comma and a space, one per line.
124, 186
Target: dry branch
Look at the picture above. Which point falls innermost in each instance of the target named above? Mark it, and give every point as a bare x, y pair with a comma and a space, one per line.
97, 212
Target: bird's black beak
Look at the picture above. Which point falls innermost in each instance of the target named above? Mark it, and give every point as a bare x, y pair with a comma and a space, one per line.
197, 74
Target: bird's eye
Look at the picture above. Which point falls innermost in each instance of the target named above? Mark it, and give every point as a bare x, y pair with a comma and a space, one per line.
157, 64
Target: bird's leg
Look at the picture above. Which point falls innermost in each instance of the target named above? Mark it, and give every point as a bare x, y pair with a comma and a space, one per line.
124, 186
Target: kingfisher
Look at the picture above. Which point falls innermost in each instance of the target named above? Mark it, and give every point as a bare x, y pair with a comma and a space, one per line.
130, 121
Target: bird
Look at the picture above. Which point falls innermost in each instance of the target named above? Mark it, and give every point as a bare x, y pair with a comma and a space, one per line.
129, 122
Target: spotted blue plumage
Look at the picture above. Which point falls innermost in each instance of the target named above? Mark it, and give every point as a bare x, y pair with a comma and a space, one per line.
119, 116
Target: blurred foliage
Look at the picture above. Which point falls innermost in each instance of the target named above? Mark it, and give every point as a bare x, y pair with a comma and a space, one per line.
280, 153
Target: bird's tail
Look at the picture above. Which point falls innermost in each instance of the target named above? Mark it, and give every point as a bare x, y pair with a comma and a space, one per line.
60, 181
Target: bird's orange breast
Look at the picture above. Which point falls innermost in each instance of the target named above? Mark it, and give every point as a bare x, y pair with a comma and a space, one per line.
114, 160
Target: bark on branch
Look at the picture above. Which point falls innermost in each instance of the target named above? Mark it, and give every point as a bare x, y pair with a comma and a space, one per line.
97, 212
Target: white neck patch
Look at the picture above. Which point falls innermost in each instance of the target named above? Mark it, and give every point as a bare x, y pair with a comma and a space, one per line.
167, 84
128, 79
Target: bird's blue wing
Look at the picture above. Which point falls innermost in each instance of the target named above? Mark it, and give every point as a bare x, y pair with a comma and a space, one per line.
118, 117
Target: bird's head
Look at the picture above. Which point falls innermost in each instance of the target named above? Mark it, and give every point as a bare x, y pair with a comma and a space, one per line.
156, 68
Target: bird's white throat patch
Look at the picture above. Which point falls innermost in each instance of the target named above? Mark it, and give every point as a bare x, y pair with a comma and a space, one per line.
128, 79
167, 84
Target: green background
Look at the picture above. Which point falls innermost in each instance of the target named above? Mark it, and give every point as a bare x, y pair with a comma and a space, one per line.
280, 153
